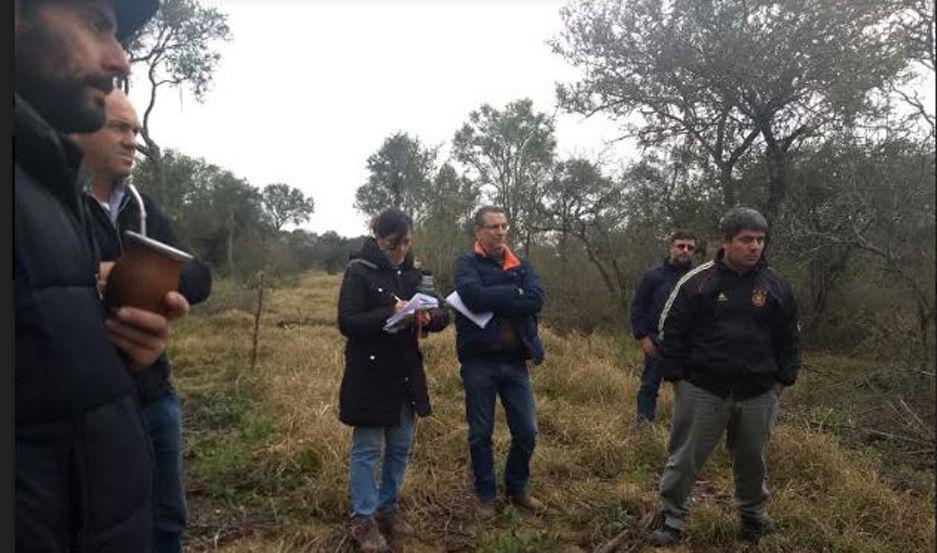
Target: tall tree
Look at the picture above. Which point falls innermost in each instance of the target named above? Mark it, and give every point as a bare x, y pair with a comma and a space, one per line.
728, 72
284, 204
400, 172
444, 231
510, 152
916, 33
590, 207
177, 48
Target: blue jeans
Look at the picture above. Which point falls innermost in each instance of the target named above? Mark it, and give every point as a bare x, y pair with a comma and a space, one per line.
164, 422
366, 446
650, 384
483, 380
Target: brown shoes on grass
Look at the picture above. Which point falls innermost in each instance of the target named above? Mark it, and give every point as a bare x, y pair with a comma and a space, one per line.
527, 502
364, 532
393, 525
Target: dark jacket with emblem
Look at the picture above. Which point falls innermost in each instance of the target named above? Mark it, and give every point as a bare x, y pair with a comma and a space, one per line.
382, 369
513, 295
83, 462
651, 295
194, 278
733, 335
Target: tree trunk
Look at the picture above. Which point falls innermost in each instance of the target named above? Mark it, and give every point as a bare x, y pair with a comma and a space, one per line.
727, 183
155, 155
778, 171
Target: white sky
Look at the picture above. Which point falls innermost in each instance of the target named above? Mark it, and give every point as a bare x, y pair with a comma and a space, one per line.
306, 91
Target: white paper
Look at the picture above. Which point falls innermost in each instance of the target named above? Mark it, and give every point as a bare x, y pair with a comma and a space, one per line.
480, 319
417, 302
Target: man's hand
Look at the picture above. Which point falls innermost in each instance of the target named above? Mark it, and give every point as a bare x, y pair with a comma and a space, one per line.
648, 347
141, 334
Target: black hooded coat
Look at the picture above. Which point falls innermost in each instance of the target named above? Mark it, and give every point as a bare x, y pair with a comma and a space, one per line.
382, 369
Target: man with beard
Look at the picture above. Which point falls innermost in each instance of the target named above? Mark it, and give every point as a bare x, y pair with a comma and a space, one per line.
730, 341
83, 464
109, 156
649, 299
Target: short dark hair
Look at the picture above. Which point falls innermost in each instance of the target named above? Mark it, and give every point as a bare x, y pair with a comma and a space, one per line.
741, 218
482, 211
683, 235
391, 222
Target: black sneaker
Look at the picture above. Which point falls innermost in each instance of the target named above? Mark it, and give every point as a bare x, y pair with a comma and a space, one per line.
664, 536
753, 529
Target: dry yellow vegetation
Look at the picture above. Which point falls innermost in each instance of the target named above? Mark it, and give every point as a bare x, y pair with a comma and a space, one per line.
266, 455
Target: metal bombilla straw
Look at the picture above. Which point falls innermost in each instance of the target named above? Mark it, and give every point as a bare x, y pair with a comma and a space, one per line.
137, 198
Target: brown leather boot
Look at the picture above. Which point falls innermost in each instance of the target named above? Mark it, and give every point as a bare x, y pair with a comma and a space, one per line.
527, 502
364, 532
485, 510
392, 524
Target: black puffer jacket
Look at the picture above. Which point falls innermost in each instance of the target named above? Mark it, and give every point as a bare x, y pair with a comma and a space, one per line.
83, 460
194, 279
733, 335
382, 370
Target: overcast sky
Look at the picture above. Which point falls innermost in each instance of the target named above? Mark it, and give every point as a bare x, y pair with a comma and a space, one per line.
306, 91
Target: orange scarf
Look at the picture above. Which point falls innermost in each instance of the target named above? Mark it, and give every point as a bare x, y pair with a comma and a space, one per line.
509, 261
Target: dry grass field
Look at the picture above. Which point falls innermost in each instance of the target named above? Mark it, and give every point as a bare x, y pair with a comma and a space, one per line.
266, 455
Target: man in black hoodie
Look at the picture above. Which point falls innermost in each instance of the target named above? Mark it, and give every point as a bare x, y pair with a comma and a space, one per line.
109, 156
82, 458
730, 339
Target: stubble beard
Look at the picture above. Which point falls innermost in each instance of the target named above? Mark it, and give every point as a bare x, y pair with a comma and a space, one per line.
63, 99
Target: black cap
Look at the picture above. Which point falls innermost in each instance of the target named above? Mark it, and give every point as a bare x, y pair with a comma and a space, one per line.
132, 14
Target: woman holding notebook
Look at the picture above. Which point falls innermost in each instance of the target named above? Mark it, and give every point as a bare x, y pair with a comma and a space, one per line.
384, 386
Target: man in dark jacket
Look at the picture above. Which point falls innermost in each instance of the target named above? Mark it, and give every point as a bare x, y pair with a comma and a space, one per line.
649, 299
82, 458
730, 337
494, 358
109, 156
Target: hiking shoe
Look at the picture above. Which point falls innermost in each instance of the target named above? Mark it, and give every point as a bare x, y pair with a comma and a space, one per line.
753, 529
485, 508
393, 524
527, 501
364, 532
665, 536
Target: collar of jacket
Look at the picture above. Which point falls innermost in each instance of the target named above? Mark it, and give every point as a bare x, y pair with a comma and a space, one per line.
680, 269
508, 262
52, 158
720, 255
119, 188
370, 251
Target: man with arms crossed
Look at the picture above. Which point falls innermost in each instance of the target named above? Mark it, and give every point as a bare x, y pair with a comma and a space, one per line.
83, 465
109, 156
649, 299
730, 342
494, 359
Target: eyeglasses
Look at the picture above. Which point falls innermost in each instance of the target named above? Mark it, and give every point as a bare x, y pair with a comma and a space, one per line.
502, 226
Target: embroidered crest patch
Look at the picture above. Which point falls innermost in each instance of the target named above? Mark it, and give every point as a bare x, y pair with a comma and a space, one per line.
759, 297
